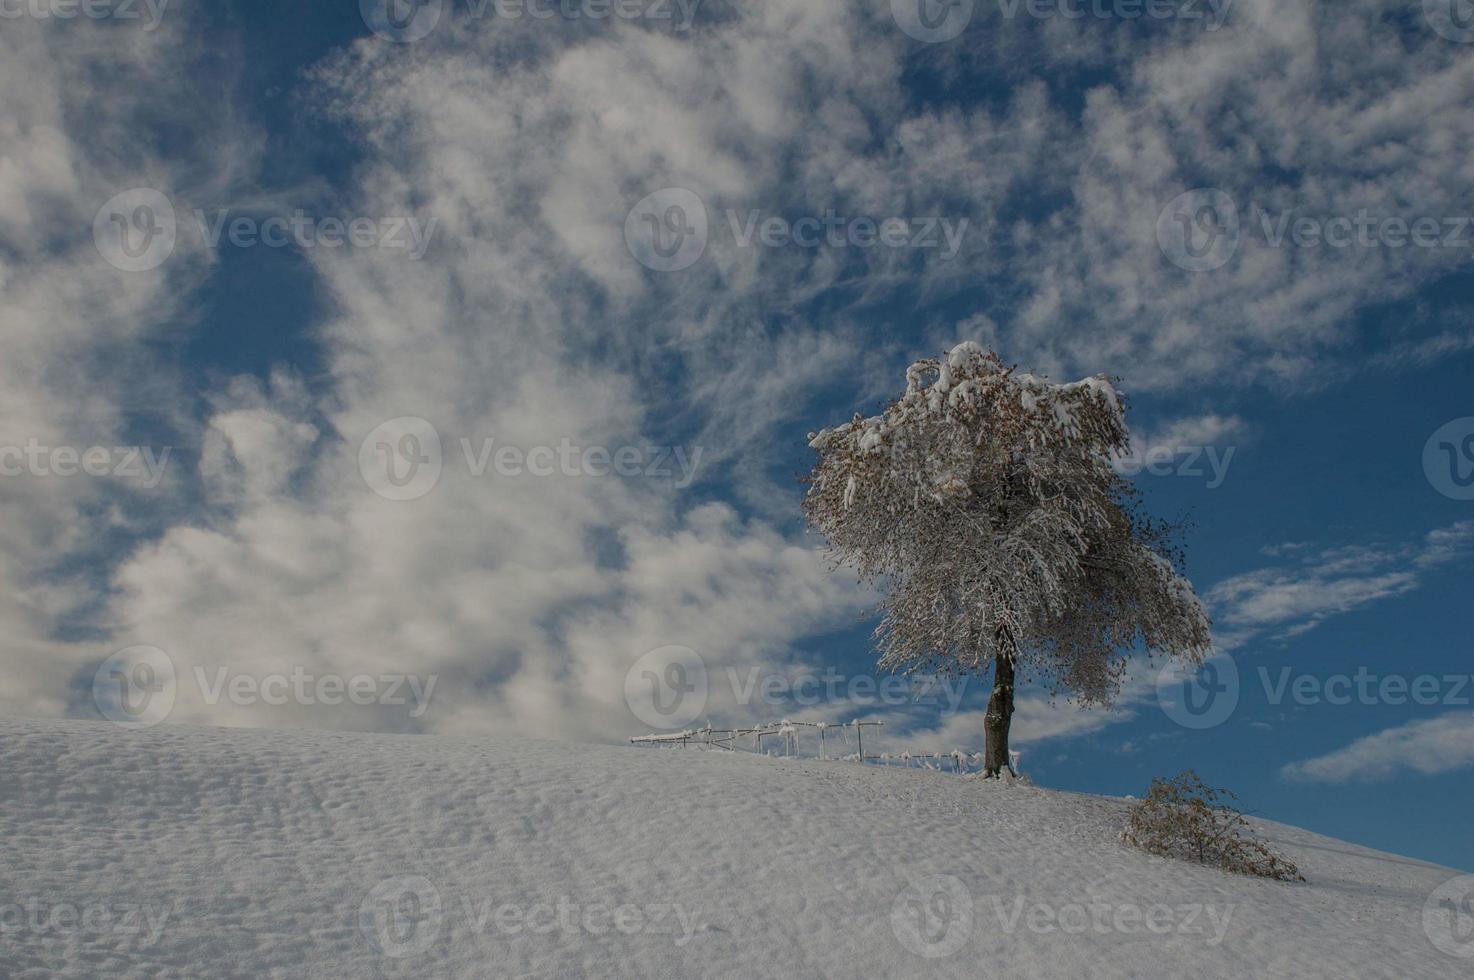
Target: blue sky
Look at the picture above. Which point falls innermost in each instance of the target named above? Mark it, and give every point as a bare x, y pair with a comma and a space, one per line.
1061, 151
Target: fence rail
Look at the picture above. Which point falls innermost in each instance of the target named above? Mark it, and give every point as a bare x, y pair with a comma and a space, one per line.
787, 732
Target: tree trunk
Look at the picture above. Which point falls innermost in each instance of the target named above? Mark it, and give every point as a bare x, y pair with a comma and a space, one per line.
998, 718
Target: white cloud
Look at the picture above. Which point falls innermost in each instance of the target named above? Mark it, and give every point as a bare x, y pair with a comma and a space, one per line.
1426, 351
1205, 444
1428, 747
1342, 114
1287, 601
529, 322
76, 101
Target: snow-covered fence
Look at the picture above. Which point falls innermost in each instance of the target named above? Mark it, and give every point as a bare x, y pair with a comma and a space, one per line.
829, 734
786, 731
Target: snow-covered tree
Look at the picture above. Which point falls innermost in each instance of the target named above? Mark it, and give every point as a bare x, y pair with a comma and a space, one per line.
984, 501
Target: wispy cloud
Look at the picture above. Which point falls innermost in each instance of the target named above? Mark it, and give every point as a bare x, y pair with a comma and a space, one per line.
1427, 747
1284, 601
529, 321
1425, 351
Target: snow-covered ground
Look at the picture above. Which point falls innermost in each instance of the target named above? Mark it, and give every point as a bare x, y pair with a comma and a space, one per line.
191, 852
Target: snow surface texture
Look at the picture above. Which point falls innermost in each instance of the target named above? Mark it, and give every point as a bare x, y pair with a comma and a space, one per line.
191, 852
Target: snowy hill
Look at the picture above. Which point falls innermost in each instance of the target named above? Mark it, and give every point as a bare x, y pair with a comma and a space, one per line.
187, 852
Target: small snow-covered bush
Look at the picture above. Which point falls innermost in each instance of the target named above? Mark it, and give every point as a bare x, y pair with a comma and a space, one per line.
1183, 818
